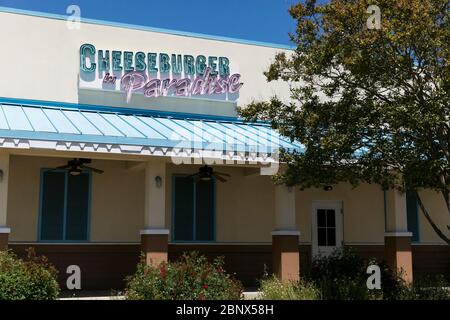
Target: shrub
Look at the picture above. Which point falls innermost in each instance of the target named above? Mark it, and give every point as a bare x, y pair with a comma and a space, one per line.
274, 289
428, 288
342, 276
190, 278
30, 279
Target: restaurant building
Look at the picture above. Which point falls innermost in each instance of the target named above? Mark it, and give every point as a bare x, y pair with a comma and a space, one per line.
117, 139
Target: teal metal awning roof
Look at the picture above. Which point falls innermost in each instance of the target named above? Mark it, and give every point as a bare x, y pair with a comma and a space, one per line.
84, 124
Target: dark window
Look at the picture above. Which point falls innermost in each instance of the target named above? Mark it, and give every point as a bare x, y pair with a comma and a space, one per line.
326, 227
204, 193
64, 206
193, 209
183, 206
322, 218
322, 237
77, 207
52, 206
412, 215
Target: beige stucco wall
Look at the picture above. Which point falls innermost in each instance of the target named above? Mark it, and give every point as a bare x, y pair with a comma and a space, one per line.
117, 209
435, 205
363, 211
245, 205
42, 62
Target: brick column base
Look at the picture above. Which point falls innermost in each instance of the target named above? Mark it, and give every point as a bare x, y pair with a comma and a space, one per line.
155, 245
4, 235
285, 255
397, 252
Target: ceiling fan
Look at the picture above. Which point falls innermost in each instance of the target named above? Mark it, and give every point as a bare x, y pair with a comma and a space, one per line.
207, 173
76, 166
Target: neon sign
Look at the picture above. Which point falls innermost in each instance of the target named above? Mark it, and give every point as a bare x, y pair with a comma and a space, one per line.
160, 74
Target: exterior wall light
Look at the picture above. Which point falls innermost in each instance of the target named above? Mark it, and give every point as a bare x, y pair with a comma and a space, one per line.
1, 175
158, 181
327, 188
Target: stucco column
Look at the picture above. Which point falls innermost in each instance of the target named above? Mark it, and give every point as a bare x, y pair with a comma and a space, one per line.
4, 179
155, 236
285, 237
397, 239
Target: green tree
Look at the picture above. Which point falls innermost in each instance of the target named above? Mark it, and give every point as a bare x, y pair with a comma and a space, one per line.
369, 104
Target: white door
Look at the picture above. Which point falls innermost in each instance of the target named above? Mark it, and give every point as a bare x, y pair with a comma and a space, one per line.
327, 233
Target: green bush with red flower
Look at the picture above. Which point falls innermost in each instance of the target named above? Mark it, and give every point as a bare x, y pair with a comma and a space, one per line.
192, 277
28, 278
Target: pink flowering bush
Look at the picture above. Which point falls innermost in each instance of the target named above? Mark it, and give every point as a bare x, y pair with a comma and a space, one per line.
192, 277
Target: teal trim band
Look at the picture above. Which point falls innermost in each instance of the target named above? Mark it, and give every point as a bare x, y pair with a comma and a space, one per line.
145, 28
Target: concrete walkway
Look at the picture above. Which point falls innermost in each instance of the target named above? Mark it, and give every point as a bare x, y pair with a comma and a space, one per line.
102, 295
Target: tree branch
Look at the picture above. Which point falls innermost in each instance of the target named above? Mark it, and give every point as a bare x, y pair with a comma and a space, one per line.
430, 220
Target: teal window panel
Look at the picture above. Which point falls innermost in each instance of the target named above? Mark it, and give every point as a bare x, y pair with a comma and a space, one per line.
413, 215
183, 207
204, 206
52, 205
77, 212
64, 206
193, 210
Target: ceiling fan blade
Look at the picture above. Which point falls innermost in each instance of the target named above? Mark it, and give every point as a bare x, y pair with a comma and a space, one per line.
92, 169
192, 175
222, 174
220, 178
84, 160
67, 166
